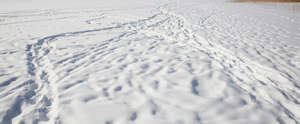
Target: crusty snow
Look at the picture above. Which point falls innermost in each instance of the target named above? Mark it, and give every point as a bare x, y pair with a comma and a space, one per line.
149, 62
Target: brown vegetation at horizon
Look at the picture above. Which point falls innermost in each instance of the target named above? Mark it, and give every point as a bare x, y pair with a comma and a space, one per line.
266, 0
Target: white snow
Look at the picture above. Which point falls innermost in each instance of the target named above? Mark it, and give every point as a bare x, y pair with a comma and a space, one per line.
149, 61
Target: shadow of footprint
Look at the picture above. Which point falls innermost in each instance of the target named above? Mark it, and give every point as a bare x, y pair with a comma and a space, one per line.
133, 116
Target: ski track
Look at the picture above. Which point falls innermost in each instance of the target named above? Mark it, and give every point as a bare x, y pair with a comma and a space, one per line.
162, 69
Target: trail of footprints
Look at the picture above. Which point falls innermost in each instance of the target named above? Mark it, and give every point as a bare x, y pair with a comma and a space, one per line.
108, 62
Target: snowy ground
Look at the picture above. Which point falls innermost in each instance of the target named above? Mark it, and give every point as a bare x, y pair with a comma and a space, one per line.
149, 61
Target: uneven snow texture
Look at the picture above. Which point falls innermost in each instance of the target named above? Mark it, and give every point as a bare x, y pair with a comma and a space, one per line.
163, 62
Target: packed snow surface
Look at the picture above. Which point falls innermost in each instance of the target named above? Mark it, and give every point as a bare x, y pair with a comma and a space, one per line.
149, 62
